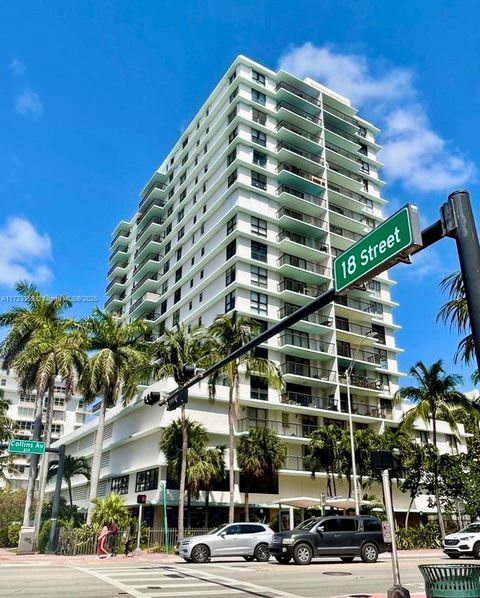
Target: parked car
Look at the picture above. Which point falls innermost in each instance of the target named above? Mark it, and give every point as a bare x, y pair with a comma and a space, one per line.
249, 540
466, 541
344, 537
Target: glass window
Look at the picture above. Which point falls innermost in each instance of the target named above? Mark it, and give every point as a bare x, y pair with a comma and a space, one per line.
258, 388
232, 178
232, 529
230, 275
347, 524
178, 274
233, 95
232, 115
259, 137
231, 249
176, 318
259, 97
259, 159
163, 307
177, 295
231, 156
146, 480
258, 302
258, 276
258, 77
232, 135
258, 251
232, 77
329, 525
181, 233
164, 287
230, 301
372, 525
259, 180
180, 214
258, 226
259, 117
120, 485
231, 225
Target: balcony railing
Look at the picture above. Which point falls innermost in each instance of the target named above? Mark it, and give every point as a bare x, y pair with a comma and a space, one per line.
313, 178
367, 410
343, 232
307, 400
352, 215
116, 280
302, 240
343, 152
360, 354
117, 265
340, 114
300, 152
151, 316
113, 298
345, 172
120, 249
141, 230
314, 199
347, 193
347, 326
151, 239
306, 218
314, 119
259, 394
118, 235
284, 124
369, 308
341, 133
154, 257
301, 94
316, 318
294, 463
298, 262
307, 371
361, 381
149, 276
157, 185
297, 286
297, 339
281, 428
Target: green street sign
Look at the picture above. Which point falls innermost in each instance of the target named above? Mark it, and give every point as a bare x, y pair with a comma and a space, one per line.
391, 242
36, 447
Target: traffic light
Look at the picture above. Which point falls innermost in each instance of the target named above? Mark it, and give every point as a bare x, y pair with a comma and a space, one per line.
141, 499
178, 399
189, 371
152, 398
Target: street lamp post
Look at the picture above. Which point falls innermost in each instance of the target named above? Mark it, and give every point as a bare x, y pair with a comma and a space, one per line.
348, 374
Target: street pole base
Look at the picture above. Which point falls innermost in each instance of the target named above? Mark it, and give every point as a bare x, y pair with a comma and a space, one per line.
137, 551
398, 592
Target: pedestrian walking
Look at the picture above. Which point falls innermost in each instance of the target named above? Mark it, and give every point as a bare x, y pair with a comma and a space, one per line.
127, 536
101, 542
113, 538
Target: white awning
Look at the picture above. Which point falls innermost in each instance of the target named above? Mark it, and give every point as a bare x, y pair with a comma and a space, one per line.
302, 502
344, 503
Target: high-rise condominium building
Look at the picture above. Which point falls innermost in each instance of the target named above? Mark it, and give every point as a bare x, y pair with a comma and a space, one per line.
273, 178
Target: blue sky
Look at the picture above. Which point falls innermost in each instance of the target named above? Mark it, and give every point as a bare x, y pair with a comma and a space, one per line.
93, 94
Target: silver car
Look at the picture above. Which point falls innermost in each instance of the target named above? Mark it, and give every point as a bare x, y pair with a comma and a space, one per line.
249, 540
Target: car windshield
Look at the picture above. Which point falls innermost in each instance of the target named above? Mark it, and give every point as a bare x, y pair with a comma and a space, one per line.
473, 528
307, 524
215, 530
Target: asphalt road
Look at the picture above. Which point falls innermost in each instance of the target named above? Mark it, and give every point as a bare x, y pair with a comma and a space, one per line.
220, 578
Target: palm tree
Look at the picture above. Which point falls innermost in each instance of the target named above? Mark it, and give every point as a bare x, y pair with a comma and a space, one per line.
323, 454
436, 397
72, 466
8, 428
111, 508
230, 332
176, 349
455, 313
54, 349
214, 472
22, 322
172, 446
260, 454
119, 364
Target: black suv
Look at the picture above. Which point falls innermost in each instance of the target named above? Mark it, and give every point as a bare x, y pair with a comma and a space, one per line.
345, 537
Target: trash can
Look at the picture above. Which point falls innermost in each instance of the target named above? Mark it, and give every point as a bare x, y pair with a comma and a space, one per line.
451, 581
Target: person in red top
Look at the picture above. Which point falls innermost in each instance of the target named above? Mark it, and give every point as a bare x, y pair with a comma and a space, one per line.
102, 539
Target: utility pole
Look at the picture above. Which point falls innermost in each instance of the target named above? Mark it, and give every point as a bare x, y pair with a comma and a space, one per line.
53, 540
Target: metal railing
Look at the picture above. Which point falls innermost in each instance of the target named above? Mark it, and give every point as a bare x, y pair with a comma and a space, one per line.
344, 232
151, 239
297, 286
314, 119
361, 354
295, 463
313, 178
282, 428
306, 218
148, 276
141, 230
352, 215
117, 265
154, 257
341, 133
298, 262
315, 318
307, 400
302, 240
298, 92
314, 199
300, 152
308, 371
343, 152
297, 339
340, 114
348, 326
157, 185
345, 172
361, 381
369, 308
284, 124
113, 298
116, 280
122, 233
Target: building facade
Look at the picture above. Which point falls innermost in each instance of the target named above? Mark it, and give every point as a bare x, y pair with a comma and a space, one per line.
273, 178
67, 417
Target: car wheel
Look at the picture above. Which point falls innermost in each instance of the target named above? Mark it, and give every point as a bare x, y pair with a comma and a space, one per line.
283, 560
302, 554
262, 553
249, 558
347, 559
369, 553
454, 556
476, 550
200, 554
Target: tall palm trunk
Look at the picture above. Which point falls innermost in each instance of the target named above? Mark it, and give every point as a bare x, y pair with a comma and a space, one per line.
33, 469
247, 515
234, 388
407, 516
183, 474
207, 505
42, 478
70, 496
97, 460
441, 523
189, 504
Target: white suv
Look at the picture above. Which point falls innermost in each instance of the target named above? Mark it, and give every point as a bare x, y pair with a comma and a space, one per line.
249, 540
466, 541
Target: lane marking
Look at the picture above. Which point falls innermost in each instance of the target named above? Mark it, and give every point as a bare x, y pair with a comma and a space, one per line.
116, 584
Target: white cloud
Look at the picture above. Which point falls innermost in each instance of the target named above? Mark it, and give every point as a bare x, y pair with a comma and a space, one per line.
24, 253
28, 104
17, 67
414, 154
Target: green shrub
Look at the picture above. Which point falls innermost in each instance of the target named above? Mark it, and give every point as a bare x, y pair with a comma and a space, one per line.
420, 536
12, 533
44, 536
